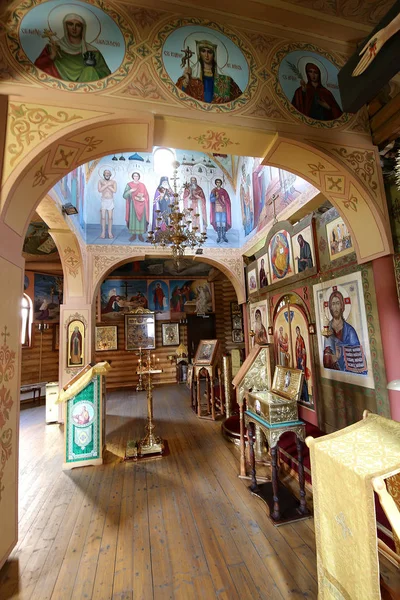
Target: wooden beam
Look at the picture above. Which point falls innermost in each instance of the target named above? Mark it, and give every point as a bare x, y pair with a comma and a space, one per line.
385, 124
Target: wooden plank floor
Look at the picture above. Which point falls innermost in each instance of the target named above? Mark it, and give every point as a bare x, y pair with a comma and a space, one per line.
181, 527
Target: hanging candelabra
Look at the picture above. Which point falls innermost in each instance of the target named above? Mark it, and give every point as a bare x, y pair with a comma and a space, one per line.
177, 228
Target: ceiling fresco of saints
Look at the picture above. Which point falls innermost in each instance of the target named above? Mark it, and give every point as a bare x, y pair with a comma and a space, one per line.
71, 42
205, 64
117, 197
307, 83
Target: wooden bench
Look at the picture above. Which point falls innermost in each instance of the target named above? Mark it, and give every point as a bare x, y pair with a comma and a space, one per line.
35, 389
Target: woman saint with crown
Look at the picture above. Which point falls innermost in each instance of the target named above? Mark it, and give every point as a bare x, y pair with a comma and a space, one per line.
205, 82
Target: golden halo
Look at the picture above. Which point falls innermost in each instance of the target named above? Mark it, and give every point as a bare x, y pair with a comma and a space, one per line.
57, 14
222, 52
301, 65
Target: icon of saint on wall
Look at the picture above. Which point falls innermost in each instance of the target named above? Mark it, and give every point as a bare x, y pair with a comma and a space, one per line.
203, 78
72, 57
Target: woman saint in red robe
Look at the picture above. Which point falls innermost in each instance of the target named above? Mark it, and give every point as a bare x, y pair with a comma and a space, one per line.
313, 100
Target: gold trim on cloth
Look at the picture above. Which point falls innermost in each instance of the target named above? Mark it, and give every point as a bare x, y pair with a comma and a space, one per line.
343, 465
100, 368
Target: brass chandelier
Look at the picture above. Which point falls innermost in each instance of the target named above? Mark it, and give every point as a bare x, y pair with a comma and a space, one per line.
175, 226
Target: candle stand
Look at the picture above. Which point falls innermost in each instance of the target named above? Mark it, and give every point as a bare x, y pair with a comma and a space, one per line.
150, 445
139, 387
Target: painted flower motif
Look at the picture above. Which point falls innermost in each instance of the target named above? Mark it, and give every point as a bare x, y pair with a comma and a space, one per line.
6, 403
7, 363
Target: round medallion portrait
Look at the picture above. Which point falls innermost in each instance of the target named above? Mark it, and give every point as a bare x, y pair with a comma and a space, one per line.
309, 81
205, 64
72, 42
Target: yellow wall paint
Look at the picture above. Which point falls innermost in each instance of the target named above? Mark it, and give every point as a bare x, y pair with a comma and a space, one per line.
72, 262
9, 387
29, 124
207, 137
363, 225
121, 137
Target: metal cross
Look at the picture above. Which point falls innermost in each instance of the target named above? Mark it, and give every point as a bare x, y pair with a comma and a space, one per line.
272, 201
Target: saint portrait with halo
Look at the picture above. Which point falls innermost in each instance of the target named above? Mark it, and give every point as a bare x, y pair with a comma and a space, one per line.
316, 75
63, 41
211, 68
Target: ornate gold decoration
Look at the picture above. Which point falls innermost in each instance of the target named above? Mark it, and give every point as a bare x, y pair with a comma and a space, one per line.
64, 157
39, 178
31, 72
213, 140
262, 43
393, 486
316, 169
369, 13
351, 203
362, 162
227, 374
72, 261
144, 17
150, 444
7, 371
144, 86
30, 124
177, 228
266, 107
334, 183
360, 123
105, 257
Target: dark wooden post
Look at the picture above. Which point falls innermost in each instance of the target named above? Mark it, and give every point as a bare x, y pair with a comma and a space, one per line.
276, 514
303, 506
252, 435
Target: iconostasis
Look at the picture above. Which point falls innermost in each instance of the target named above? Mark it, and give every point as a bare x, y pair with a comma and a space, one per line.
311, 300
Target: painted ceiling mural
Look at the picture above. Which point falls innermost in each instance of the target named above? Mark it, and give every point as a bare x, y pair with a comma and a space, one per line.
88, 47
73, 45
117, 196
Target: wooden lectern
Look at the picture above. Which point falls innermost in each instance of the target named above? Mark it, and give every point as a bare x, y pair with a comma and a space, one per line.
84, 427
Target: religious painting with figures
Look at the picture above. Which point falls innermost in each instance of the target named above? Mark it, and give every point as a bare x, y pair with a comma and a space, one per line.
342, 331
158, 295
71, 41
140, 331
280, 256
205, 64
252, 286
119, 296
339, 239
48, 296
170, 334
206, 352
292, 348
75, 344
303, 250
309, 82
259, 323
264, 277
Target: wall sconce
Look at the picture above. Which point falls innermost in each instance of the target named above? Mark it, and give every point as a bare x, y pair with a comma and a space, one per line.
42, 326
69, 209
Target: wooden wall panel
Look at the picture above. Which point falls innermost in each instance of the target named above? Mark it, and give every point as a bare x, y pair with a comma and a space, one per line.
124, 362
224, 295
39, 362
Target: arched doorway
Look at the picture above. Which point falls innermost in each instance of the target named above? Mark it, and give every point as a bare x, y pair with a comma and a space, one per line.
28, 179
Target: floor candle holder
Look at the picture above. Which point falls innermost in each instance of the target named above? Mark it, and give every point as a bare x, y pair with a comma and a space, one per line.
150, 445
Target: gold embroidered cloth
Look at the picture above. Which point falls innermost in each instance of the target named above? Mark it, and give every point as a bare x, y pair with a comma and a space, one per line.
343, 464
100, 368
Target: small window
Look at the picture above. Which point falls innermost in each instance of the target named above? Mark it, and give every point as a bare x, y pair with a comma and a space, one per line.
26, 315
163, 159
